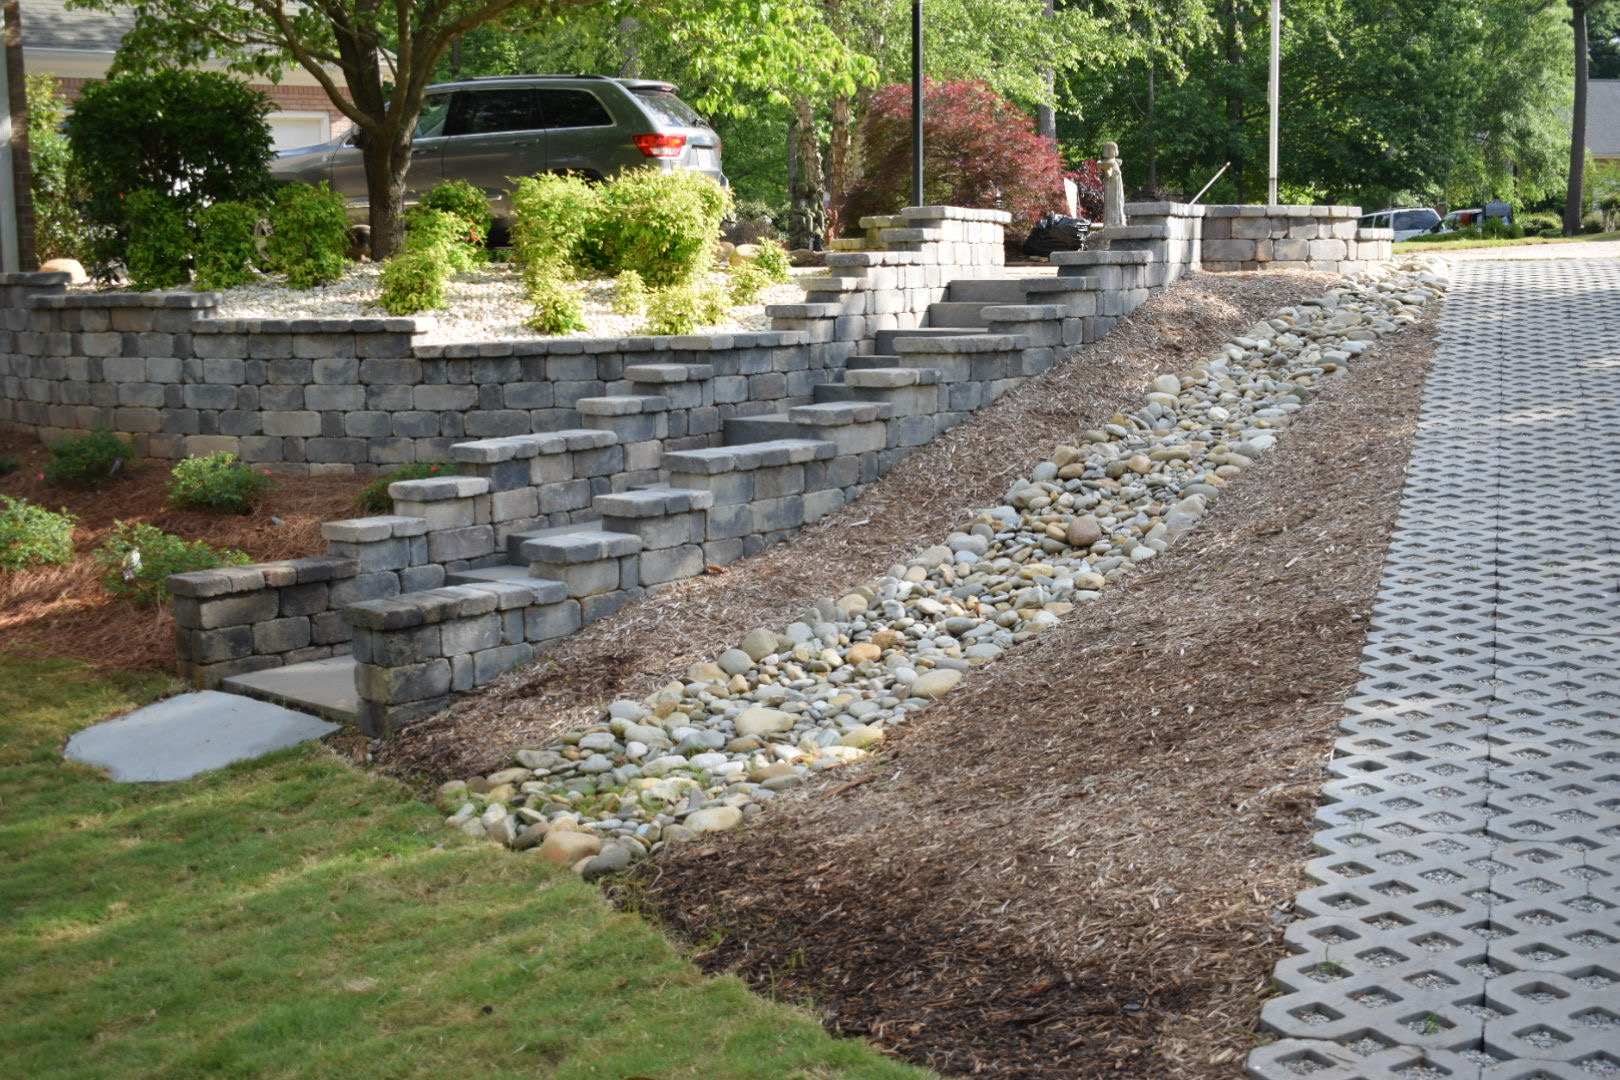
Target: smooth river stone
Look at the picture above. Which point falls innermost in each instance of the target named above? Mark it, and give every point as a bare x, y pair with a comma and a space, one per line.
935, 684
762, 721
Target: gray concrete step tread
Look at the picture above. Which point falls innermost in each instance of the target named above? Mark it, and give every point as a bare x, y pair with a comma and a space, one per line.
955, 313
181, 736
323, 687
546, 590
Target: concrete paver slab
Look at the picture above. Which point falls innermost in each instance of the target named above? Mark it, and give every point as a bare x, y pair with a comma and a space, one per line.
323, 687
1464, 917
179, 737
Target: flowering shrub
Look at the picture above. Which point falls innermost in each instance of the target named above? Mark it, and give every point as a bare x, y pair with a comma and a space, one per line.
218, 482
980, 151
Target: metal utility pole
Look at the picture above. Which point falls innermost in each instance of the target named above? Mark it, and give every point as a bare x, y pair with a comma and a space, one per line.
916, 103
1275, 93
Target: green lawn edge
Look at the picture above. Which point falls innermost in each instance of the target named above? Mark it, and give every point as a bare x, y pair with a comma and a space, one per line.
1409, 246
296, 917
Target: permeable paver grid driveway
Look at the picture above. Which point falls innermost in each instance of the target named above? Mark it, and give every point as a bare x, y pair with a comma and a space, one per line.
1467, 920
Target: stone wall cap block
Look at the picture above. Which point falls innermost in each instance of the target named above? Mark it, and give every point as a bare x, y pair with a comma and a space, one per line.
587, 545
1163, 209
710, 461
887, 378
325, 567
668, 373
394, 613
366, 530
434, 489
221, 582
804, 311
34, 277
1100, 258
1375, 234
511, 594
469, 599
1058, 284
831, 284
587, 438
622, 405
678, 500
911, 236
711, 342
794, 451
954, 213
639, 504
484, 451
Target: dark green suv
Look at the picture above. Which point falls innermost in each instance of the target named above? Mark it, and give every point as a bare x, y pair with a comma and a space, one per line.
490, 131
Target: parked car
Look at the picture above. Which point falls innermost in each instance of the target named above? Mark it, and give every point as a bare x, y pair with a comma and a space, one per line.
489, 131
1474, 217
1407, 221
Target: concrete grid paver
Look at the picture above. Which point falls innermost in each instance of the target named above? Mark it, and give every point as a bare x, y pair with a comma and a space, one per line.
1465, 916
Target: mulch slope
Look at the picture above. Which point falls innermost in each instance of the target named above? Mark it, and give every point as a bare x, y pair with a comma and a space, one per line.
1078, 865
969, 467
66, 611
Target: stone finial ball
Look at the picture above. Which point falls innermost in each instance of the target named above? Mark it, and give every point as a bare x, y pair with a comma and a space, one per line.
1110, 150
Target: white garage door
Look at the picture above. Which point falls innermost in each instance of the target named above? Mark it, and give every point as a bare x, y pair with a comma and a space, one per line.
290, 129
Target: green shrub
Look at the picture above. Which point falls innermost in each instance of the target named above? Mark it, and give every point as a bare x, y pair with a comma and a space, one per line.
159, 246
747, 282
60, 231
557, 308
309, 234
413, 282
9, 463
32, 535
466, 202
373, 498
447, 236
1541, 224
88, 460
681, 309
217, 482
172, 131
227, 247
773, 259
1591, 223
138, 558
552, 218
664, 226
629, 294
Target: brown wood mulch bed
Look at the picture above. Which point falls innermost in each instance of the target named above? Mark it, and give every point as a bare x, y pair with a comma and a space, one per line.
1078, 865
65, 610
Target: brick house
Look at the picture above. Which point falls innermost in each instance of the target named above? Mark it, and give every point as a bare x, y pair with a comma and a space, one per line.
77, 47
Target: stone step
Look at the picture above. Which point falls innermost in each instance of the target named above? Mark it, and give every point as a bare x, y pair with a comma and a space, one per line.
885, 339
889, 378
827, 284
1110, 239
515, 541
580, 546
746, 457
986, 290
545, 590
1074, 262
622, 405
955, 313
323, 687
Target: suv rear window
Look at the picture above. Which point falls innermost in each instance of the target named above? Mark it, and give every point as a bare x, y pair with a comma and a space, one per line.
670, 109
572, 109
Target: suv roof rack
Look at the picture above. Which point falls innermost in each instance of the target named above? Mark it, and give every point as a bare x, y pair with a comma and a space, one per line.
541, 75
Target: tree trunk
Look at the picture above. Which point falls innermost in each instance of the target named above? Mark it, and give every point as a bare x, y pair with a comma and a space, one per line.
808, 227
1152, 138
840, 159
386, 166
630, 65
1575, 196
1234, 99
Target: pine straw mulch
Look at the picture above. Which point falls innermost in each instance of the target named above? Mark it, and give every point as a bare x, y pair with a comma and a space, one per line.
66, 611
1078, 864
968, 468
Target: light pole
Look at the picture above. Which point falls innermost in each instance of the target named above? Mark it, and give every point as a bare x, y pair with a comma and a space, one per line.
916, 103
1275, 93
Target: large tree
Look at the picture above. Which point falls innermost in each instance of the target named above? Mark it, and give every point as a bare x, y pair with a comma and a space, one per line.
384, 54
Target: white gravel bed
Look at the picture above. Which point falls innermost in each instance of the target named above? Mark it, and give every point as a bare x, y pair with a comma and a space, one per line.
485, 304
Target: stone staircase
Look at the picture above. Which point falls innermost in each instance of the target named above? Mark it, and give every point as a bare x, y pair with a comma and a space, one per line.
651, 500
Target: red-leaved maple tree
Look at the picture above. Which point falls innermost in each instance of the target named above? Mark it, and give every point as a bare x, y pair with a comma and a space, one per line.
979, 150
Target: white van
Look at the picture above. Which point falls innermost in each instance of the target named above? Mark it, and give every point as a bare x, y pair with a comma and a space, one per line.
1407, 221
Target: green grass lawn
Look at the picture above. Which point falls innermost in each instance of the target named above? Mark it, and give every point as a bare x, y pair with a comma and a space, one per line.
293, 917
1406, 246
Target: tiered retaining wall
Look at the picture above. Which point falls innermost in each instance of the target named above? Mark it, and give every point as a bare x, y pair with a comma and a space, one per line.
592, 470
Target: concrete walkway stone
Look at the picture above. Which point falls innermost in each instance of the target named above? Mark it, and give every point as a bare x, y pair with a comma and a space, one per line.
1466, 918
179, 737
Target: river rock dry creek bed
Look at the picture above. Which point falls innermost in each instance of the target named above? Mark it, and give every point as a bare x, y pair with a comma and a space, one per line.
1077, 859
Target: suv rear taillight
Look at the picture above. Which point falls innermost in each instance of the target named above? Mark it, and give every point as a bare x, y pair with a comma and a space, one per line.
661, 146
